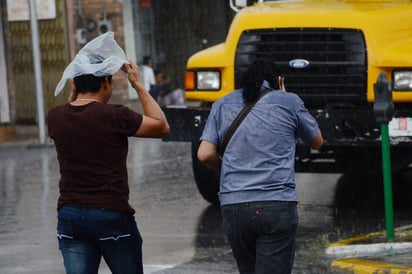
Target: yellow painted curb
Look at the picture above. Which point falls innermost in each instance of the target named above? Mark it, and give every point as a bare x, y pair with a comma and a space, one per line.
367, 236
358, 238
357, 266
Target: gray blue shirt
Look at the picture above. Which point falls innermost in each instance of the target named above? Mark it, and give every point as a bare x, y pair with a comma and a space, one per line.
258, 164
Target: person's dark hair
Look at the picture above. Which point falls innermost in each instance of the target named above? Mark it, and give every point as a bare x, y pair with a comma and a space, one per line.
146, 59
157, 72
252, 78
89, 82
165, 87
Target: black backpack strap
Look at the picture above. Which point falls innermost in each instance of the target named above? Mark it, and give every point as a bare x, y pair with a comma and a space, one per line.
236, 122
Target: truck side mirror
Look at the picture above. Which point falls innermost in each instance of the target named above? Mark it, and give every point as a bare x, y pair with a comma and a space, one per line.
237, 5
383, 106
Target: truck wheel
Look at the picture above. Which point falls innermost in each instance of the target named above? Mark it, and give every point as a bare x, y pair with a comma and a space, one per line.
207, 180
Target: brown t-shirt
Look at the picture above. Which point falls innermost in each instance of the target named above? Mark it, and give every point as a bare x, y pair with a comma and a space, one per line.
92, 144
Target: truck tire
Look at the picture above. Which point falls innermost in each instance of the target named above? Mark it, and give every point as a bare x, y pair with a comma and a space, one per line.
207, 180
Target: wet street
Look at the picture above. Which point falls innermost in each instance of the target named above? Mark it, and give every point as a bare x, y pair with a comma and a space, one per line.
182, 233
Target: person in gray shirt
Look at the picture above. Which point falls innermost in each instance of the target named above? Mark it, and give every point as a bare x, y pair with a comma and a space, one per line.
257, 181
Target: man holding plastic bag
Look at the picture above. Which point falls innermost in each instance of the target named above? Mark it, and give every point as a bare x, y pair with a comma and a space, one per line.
95, 218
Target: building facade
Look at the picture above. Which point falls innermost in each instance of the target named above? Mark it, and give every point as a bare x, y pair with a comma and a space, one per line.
168, 30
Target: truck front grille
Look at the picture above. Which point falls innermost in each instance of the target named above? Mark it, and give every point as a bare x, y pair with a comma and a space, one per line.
337, 70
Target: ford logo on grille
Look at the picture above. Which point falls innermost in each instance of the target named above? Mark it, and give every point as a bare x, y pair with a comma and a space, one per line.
299, 63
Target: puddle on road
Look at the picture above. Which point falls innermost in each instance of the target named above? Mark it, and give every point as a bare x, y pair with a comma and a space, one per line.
178, 226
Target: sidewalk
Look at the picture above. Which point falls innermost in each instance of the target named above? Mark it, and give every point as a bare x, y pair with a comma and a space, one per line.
372, 253
21, 136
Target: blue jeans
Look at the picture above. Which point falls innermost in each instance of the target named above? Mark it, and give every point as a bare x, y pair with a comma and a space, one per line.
262, 235
87, 234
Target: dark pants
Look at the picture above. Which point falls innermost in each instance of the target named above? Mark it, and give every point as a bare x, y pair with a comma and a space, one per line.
262, 235
87, 234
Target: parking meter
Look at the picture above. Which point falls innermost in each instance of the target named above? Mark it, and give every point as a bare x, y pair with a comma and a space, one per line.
383, 106
383, 109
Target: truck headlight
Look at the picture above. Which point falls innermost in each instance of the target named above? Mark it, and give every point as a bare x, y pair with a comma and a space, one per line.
202, 80
208, 80
402, 80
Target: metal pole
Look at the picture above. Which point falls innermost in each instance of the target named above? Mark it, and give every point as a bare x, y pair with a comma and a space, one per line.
37, 71
387, 181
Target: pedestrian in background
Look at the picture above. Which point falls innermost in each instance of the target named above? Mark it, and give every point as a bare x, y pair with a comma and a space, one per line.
148, 77
95, 218
163, 92
257, 182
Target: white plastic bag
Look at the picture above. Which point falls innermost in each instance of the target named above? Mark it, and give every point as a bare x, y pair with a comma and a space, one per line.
102, 56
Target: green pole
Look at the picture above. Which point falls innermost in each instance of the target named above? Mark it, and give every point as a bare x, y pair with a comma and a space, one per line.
387, 181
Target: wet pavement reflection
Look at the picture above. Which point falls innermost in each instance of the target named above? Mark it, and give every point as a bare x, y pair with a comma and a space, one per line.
182, 233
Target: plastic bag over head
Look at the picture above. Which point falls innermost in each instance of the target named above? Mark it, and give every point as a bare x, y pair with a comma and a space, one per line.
102, 56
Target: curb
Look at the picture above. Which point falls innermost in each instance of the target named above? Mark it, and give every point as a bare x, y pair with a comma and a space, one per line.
348, 255
357, 266
25, 144
367, 250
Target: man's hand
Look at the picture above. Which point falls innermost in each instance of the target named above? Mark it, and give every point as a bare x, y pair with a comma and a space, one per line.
281, 83
154, 123
133, 73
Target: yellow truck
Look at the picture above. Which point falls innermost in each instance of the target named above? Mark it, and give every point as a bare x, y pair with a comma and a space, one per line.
331, 53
